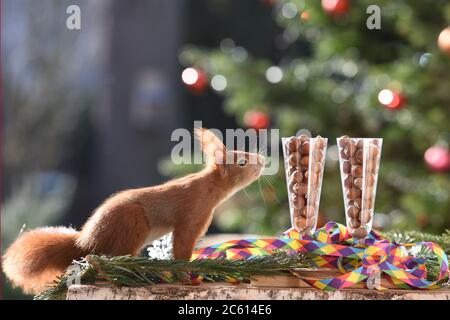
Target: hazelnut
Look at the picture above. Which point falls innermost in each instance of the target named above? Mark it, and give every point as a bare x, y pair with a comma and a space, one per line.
360, 143
302, 188
305, 177
291, 170
298, 201
310, 210
368, 192
304, 169
302, 223
303, 138
370, 167
348, 182
346, 167
304, 161
297, 223
293, 159
353, 193
374, 151
368, 203
358, 182
375, 161
292, 144
320, 142
353, 212
296, 211
315, 180
292, 186
304, 212
313, 196
354, 223
357, 171
317, 167
304, 148
370, 180
359, 233
318, 156
366, 216
359, 154
343, 141
353, 161
350, 149
343, 155
296, 176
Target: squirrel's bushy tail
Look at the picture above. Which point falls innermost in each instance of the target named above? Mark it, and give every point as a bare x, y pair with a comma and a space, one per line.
38, 256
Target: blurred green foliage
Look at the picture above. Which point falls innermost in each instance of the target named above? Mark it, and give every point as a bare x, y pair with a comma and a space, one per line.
333, 69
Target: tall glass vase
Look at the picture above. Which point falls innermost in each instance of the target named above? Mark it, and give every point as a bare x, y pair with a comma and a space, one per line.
304, 160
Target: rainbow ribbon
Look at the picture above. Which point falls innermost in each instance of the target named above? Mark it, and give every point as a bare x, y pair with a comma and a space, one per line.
334, 247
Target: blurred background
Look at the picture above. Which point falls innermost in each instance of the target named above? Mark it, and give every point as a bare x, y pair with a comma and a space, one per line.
89, 112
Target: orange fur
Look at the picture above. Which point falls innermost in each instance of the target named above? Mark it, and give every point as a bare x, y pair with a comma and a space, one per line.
128, 220
40, 255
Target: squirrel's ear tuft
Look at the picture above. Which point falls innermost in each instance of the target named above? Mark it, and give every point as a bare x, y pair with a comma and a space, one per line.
210, 144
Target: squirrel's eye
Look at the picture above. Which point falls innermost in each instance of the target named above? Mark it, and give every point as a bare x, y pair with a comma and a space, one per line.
242, 162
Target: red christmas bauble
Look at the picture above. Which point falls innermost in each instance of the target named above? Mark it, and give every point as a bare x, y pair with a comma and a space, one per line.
256, 120
437, 158
391, 99
336, 7
444, 41
195, 79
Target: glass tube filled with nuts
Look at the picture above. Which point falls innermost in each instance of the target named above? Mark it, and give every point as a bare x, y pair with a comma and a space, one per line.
304, 159
359, 160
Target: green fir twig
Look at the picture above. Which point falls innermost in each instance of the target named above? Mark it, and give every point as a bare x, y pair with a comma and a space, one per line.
132, 271
442, 240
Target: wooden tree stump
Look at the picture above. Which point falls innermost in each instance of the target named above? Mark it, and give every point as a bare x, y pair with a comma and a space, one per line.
224, 291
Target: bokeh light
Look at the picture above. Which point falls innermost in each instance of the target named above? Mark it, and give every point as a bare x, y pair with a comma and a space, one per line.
239, 54
274, 74
425, 59
289, 10
189, 76
219, 82
386, 97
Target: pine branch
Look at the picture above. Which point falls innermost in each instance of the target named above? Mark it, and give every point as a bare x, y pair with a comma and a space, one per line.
58, 291
132, 271
442, 240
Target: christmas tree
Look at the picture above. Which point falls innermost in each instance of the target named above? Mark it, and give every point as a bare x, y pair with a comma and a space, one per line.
336, 67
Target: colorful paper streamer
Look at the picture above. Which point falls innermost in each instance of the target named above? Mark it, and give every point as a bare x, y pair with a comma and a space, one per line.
334, 247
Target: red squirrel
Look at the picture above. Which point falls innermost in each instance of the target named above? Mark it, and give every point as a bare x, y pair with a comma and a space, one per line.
128, 220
